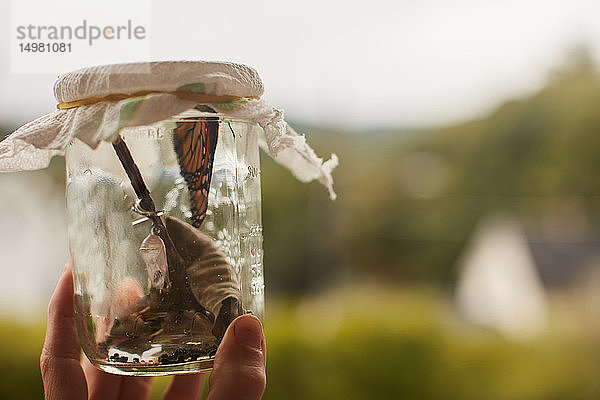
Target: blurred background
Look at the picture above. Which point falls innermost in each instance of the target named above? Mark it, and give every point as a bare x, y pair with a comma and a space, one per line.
462, 256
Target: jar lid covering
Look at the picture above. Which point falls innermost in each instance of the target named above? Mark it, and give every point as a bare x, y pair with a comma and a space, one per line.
216, 78
95, 103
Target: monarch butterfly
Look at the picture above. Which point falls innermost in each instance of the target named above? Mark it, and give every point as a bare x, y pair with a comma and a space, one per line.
195, 142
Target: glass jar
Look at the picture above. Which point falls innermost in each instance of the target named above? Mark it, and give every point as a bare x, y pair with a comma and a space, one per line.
165, 257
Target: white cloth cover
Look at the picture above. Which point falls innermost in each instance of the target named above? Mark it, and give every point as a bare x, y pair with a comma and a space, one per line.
34, 144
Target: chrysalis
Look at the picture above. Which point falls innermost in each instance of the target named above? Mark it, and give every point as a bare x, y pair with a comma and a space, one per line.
154, 255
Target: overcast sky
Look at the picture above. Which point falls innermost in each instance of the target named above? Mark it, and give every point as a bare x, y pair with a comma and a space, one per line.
358, 63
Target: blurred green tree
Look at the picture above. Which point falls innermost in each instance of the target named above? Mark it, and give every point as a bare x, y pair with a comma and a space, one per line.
409, 200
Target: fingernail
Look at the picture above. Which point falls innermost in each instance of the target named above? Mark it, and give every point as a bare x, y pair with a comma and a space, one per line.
248, 331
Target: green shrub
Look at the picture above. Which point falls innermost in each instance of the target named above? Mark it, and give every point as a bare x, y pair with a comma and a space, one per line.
373, 343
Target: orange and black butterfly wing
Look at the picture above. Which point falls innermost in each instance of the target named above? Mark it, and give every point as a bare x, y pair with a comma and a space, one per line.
195, 142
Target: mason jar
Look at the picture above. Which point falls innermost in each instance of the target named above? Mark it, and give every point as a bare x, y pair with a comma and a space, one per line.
166, 239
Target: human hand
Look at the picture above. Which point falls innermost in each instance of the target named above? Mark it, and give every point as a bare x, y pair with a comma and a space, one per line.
238, 373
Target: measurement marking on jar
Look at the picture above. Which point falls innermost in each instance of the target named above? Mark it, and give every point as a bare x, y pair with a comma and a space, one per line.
252, 172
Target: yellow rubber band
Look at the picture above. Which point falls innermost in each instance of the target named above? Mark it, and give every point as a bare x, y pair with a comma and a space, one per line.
197, 97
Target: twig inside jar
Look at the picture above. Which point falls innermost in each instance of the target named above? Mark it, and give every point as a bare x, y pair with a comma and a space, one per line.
180, 292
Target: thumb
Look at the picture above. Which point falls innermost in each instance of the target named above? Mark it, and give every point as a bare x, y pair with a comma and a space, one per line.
239, 369
60, 366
